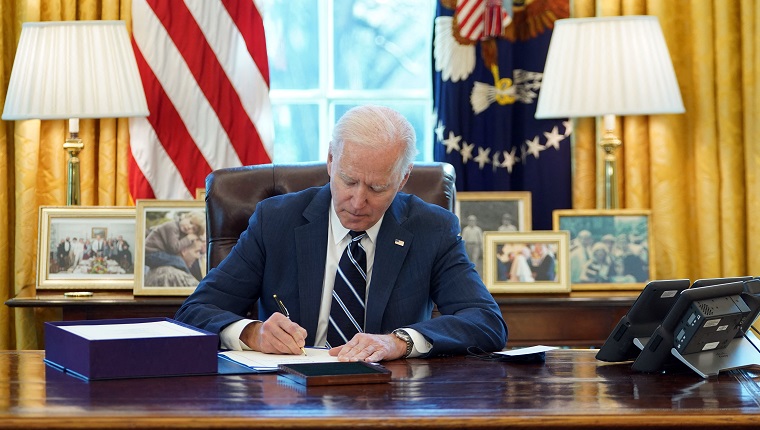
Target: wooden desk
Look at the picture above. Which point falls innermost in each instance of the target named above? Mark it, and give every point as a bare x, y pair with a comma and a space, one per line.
571, 391
575, 319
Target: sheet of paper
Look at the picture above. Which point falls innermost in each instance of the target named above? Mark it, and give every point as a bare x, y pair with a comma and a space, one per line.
261, 361
130, 331
527, 350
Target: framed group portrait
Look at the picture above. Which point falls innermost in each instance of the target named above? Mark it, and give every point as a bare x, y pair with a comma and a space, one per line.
610, 249
85, 248
482, 211
171, 247
526, 262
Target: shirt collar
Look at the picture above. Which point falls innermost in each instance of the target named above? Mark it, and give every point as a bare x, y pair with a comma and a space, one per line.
339, 232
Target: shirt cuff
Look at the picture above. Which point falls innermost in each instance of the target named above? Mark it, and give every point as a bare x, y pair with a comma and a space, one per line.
420, 345
230, 336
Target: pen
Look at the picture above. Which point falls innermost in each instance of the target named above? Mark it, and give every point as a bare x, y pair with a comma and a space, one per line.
285, 312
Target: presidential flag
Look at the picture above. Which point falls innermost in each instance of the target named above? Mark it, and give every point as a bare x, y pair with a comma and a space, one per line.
488, 58
204, 68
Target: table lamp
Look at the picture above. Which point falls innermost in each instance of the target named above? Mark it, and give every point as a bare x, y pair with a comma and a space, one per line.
73, 70
605, 67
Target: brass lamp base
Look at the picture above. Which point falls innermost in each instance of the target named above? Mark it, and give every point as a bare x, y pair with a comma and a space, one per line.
609, 144
73, 146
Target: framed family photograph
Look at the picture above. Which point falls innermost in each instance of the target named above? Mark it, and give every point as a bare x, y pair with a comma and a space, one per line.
85, 248
527, 262
610, 249
171, 247
482, 211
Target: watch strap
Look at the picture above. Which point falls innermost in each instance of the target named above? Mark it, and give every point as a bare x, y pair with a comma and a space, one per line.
406, 337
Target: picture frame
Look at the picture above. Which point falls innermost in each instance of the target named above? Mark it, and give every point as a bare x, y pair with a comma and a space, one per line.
171, 247
200, 194
627, 236
527, 262
491, 210
68, 256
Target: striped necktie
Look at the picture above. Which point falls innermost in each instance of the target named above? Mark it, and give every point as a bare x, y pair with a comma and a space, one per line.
347, 309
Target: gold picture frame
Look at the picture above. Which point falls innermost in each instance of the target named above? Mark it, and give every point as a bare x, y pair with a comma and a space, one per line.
624, 235
527, 262
170, 261
82, 248
482, 211
200, 194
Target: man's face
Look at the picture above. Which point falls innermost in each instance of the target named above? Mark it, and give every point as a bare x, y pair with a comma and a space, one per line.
363, 184
192, 253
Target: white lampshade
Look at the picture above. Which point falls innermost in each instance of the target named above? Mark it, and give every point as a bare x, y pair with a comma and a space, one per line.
612, 65
74, 69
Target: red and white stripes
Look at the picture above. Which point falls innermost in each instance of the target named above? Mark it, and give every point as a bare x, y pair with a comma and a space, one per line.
204, 68
481, 19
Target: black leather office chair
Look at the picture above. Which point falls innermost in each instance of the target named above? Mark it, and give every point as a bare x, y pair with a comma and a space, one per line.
232, 194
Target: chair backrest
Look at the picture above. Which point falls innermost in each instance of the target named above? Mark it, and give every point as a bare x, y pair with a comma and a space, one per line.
232, 194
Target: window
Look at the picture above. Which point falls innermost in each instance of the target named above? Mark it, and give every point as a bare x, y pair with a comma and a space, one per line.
326, 56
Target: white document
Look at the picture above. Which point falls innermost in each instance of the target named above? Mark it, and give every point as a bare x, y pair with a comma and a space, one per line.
130, 331
526, 350
261, 361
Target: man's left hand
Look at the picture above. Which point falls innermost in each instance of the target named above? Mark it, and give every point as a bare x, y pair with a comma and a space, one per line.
370, 348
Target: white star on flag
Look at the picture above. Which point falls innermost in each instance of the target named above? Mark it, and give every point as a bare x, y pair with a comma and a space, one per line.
467, 151
452, 143
554, 138
439, 131
568, 127
509, 159
484, 157
534, 147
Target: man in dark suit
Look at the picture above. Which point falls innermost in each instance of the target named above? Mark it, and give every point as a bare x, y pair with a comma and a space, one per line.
415, 258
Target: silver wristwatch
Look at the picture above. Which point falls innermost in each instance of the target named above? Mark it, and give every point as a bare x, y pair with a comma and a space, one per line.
403, 335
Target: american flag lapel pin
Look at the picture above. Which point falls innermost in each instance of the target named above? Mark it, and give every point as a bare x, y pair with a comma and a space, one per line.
399, 242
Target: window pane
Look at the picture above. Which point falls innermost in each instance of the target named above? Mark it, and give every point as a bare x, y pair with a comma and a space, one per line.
296, 132
292, 33
382, 44
369, 51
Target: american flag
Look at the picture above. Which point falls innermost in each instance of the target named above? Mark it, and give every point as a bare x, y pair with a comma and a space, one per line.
204, 68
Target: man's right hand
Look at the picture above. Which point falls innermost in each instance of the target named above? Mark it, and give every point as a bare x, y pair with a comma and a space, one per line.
276, 335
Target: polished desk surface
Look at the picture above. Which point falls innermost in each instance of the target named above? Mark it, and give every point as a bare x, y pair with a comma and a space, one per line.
571, 390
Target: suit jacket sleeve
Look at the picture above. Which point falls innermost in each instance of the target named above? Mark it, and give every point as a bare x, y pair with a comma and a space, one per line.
431, 268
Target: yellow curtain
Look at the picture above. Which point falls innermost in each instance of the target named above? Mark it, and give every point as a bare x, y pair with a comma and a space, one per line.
696, 171
33, 165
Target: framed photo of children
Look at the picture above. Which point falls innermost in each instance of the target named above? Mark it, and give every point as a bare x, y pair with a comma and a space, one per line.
85, 248
482, 211
527, 262
610, 249
171, 247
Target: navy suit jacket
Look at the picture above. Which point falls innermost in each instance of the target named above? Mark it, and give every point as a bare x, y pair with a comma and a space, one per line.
420, 260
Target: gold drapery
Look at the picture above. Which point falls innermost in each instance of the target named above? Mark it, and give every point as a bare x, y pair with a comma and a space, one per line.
696, 171
33, 165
